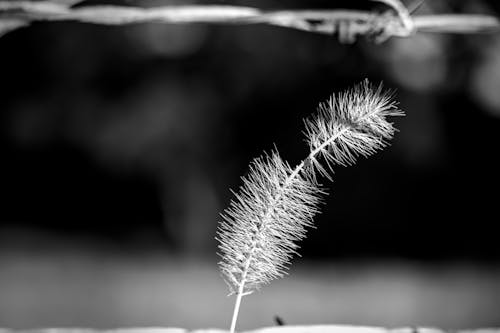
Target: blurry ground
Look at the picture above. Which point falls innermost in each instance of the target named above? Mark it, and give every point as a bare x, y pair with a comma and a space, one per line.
106, 287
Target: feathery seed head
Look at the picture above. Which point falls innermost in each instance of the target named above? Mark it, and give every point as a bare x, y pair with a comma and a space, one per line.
259, 231
350, 124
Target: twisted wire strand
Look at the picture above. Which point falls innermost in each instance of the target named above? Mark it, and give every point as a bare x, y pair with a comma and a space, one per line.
347, 24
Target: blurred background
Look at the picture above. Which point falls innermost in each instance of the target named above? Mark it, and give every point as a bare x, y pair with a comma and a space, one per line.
119, 147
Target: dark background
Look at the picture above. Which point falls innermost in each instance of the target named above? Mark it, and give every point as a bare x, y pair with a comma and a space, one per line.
120, 144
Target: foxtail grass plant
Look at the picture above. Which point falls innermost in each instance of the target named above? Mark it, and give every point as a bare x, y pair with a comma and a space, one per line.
276, 203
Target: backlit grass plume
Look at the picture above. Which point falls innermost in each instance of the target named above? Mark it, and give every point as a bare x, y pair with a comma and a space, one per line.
276, 204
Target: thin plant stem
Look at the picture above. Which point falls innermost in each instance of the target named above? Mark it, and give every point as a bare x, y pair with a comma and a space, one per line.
239, 296
236, 308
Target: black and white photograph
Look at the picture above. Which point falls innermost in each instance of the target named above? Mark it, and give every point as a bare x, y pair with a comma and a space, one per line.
224, 166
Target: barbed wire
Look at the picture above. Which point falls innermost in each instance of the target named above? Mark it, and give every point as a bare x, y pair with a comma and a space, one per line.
347, 24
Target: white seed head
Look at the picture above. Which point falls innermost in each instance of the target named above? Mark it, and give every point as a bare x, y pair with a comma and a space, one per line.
276, 204
259, 231
348, 125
